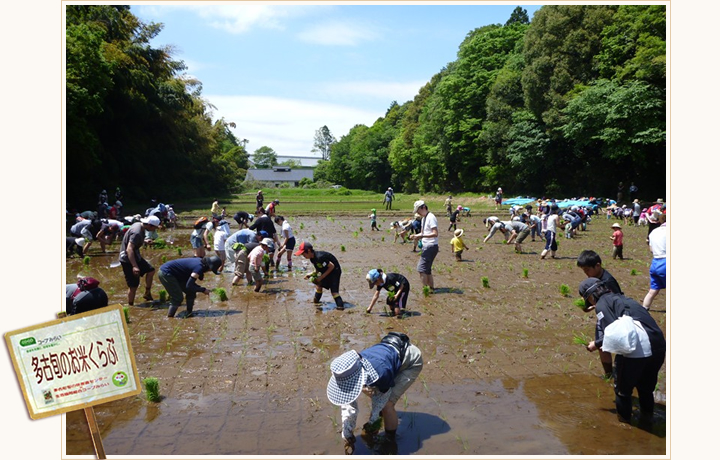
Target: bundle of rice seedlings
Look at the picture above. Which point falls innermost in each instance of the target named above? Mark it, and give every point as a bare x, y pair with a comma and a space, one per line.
221, 294
152, 389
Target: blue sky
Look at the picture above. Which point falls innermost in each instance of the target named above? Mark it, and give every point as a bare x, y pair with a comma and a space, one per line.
280, 71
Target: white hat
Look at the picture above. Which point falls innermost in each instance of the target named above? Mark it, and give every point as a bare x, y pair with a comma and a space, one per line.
349, 374
615, 225
417, 205
151, 220
268, 242
459, 232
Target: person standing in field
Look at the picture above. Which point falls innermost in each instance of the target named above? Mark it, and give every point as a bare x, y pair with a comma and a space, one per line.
215, 210
454, 218
133, 264
259, 200
428, 236
617, 239
373, 220
658, 246
288, 243
458, 245
389, 196
498, 198
551, 232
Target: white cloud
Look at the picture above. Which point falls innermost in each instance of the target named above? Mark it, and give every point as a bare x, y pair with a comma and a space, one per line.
387, 91
286, 125
339, 33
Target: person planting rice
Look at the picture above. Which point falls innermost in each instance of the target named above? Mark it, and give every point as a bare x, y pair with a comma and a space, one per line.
288, 241
518, 231
384, 372
401, 229
328, 273
180, 277
255, 261
398, 288
591, 264
636, 369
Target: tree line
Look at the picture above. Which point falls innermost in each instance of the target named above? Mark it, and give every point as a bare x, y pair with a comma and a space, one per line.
569, 104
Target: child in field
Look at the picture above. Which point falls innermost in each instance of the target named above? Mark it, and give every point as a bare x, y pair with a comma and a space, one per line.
591, 264
288, 241
397, 286
401, 229
373, 220
617, 238
458, 245
255, 260
327, 271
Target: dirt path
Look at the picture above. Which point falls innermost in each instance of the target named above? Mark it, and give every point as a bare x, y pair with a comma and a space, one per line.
502, 375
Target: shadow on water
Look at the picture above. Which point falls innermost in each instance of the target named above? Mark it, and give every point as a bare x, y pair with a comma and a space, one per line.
415, 428
448, 290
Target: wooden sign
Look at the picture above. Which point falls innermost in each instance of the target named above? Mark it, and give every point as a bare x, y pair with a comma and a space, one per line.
74, 362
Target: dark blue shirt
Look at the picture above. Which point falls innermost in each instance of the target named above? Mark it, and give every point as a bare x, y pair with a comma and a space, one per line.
386, 362
181, 269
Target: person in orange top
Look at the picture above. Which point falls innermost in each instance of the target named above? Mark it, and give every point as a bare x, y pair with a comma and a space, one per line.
617, 238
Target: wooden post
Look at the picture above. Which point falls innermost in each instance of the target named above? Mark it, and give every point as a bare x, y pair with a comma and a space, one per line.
92, 421
95, 433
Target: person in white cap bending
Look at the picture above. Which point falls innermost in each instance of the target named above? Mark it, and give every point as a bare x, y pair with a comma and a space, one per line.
384, 372
133, 264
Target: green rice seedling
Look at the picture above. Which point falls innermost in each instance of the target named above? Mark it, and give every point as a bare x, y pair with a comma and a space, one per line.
580, 303
525, 272
361, 229
266, 259
314, 276
581, 339
221, 294
355, 234
633, 272
564, 290
163, 259
382, 239
159, 244
152, 389
142, 338
426, 291
126, 312
179, 251
302, 226
313, 237
86, 260
485, 282
342, 248
163, 295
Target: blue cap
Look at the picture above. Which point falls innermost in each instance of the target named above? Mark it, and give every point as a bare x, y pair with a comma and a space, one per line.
263, 233
372, 276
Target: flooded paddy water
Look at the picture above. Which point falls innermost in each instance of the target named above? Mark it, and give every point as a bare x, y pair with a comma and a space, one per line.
501, 375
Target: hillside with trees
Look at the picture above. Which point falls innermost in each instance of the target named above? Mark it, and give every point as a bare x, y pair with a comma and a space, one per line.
570, 103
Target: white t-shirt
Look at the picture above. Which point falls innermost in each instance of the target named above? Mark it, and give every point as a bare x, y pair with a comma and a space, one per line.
430, 223
658, 240
286, 226
552, 223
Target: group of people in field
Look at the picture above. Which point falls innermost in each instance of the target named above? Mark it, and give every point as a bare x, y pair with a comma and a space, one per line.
387, 369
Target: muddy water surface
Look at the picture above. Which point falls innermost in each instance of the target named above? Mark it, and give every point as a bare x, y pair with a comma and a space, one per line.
502, 375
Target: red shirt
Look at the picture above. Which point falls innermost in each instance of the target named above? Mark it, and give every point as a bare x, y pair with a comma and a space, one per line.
617, 238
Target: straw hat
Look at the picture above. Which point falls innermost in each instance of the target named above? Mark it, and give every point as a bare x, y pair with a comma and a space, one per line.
615, 225
459, 232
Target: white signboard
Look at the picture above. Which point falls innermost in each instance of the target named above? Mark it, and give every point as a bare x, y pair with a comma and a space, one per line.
74, 362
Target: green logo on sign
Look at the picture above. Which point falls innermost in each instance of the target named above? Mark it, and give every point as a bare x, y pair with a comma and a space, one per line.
120, 379
28, 341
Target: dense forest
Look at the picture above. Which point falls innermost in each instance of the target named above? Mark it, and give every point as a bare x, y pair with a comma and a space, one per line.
570, 103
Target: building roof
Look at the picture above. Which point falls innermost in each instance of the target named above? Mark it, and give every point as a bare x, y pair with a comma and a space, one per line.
279, 174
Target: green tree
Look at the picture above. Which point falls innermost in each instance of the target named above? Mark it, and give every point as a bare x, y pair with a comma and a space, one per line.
324, 141
518, 16
265, 157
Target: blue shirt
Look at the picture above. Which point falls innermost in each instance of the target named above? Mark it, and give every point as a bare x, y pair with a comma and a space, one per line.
243, 236
181, 269
386, 362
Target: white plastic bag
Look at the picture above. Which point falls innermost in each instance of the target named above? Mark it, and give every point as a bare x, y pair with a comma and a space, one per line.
621, 337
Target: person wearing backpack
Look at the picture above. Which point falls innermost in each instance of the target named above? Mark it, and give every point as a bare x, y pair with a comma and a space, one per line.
638, 369
384, 372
